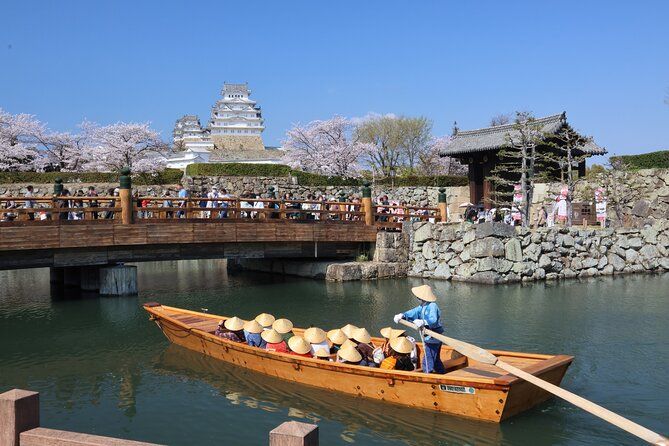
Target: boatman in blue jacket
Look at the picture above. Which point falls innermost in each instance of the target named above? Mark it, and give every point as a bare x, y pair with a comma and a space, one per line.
426, 315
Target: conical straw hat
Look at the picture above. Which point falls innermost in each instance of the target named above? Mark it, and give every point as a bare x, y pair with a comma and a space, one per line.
253, 326
322, 352
348, 329
347, 343
350, 354
362, 335
386, 332
401, 345
271, 336
299, 345
265, 319
234, 324
283, 326
314, 335
396, 333
337, 336
424, 292
221, 322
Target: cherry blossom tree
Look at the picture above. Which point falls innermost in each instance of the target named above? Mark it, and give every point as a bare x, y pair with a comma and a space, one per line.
112, 147
17, 140
325, 147
62, 151
432, 163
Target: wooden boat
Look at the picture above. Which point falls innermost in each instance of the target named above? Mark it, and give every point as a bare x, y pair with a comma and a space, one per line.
468, 389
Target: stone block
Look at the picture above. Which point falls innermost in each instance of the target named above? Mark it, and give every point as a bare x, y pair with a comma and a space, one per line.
544, 261
485, 247
118, 280
649, 252
589, 262
19, 412
602, 262
430, 249
547, 246
487, 277
469, 237
293, 433
513, 250
458, 246
631, 256
423, 233
635, 242
442, 271
447, 235
641, 208
494, 229
532, 252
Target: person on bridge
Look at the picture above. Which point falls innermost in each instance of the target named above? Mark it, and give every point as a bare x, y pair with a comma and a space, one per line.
426, 315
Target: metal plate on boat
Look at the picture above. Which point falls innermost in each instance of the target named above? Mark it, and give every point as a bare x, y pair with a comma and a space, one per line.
457, 389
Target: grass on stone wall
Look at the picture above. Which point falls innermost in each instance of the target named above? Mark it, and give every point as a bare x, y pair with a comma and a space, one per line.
238, 169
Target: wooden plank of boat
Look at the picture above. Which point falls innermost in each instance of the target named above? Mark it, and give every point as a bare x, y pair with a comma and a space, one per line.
468, 389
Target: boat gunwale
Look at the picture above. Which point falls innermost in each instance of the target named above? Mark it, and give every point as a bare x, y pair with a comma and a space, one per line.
502, 383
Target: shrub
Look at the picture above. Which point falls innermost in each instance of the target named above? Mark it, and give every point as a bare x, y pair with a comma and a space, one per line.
167, 176
238, 169
313, 179
652, 160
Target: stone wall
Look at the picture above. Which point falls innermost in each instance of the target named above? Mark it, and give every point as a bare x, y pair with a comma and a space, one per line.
498, 253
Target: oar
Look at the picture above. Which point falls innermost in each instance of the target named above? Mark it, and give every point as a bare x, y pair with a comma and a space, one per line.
484, 356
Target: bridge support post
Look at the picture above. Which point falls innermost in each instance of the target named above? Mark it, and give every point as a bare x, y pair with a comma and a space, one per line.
442, 205
294, 433
118, 280
125, 193
367, 207
90, 278
72, 276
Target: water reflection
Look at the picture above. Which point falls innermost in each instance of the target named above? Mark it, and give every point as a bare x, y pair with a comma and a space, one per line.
259, 392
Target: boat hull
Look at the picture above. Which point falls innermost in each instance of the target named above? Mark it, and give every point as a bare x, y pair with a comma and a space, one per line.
490, 401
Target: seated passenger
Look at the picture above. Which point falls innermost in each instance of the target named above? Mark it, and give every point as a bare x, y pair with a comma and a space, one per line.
364, 345
322, 354
284, 327
274, 341
349, 355
337, 337
388, 333
299, 347
348, 330
220, 329
317, 338
252, 330
234, 330
399, 359
265, 320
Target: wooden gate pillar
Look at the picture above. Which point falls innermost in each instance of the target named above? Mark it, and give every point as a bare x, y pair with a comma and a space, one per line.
125, 193
367, 204
442, 205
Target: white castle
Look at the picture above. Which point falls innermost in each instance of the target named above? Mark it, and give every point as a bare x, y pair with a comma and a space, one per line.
234, 133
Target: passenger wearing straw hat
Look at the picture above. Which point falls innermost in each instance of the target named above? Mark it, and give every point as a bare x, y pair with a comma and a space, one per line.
349, 355
337, 338
399, 359
252, 330
299, 347
426, 315
284, 327
323, 354
265, 320
363, 342
233, 329
274, 341
317, 338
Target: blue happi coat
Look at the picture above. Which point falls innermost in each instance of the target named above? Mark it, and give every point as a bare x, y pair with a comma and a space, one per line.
431, 314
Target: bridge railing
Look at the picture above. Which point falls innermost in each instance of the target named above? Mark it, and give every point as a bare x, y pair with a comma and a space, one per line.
125, 208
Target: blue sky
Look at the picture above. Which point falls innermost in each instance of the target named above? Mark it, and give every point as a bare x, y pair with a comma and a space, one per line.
605, 63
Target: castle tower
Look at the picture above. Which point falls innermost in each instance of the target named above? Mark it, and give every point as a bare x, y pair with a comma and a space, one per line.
236, 121
188, 132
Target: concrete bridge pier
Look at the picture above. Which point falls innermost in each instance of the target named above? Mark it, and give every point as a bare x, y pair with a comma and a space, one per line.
107, 280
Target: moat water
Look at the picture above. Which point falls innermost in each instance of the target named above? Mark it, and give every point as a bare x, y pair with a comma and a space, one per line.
101, 367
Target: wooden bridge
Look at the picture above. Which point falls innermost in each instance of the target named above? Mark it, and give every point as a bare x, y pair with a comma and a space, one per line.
64, 231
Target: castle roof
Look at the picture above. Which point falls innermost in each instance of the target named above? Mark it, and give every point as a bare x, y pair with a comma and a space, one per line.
495, 138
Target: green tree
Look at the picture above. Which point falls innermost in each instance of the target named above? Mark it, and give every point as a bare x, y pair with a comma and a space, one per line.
518, 164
